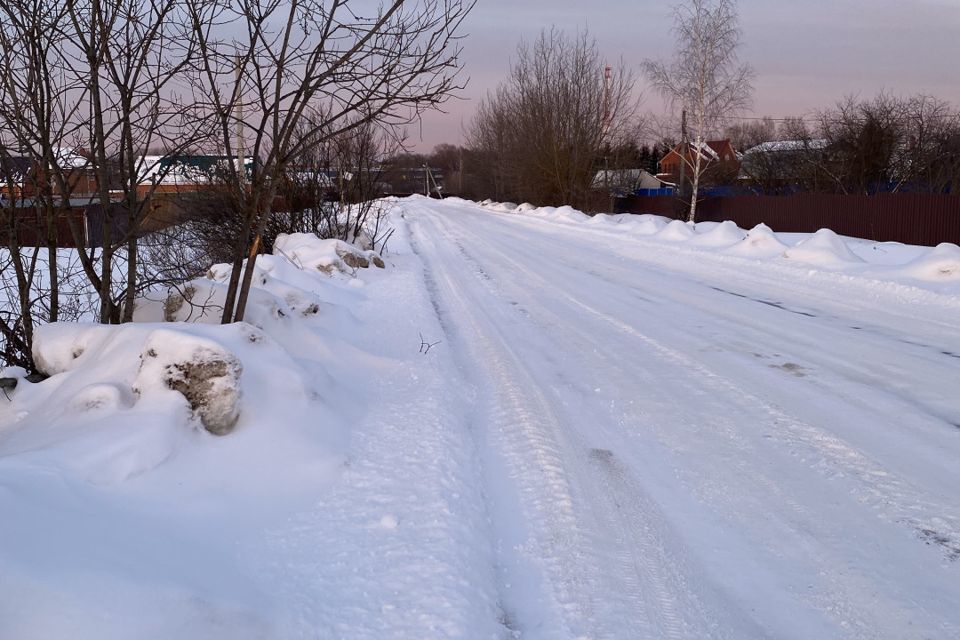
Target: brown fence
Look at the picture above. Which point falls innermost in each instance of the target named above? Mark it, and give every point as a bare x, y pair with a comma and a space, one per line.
89, 221
913, 218
32, 230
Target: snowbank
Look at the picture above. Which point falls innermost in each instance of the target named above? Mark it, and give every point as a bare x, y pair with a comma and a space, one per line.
760, 242
306, 251
933, 269
676, 231
725, 234
940, 265
128, 477
824, 248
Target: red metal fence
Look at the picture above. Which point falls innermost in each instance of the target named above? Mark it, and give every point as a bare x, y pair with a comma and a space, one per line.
89, 221
32, 230
913, 218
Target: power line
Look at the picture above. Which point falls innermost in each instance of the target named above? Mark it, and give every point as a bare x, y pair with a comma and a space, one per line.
816, 120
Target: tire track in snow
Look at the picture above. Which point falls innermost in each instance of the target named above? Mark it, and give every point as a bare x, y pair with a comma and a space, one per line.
518, 435
649, 578
893, 497
882, 485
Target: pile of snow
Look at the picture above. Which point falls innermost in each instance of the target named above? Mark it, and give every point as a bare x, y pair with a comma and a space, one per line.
824, 248
204, 372
502, 207
569, 214
725, 234
284, 287
561, 214
676, 231
306, 251
117, 367
129, 476
934, 269
151, 390
760, 242
639, 224
940, 265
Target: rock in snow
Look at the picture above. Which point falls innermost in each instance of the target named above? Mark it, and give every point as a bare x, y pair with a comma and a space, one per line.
329, 256
205, 373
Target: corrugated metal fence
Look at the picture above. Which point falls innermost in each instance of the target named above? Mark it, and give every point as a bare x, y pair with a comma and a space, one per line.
90, 221
913, 218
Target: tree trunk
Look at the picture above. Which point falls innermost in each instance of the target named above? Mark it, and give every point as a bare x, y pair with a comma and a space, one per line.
697, 169
54, 274
239, 251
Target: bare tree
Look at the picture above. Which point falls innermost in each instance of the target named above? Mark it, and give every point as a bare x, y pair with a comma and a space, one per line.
291, 63
749, 133
89, 87
131, 54
705, 79
546, 129
865, 141
38, 108
932, 154
331, 189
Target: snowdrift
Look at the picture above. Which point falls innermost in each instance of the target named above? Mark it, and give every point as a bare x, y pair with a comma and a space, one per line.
934, 269
940, 265
676, 231
128, 475
725, 234
760, 242
187, 373
824, 248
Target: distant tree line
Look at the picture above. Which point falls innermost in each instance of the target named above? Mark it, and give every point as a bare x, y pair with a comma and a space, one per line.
881, 144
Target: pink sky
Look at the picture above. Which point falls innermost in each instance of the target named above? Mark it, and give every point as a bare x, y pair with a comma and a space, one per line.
807, 53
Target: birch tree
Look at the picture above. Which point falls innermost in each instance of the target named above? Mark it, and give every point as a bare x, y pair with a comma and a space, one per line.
705, 78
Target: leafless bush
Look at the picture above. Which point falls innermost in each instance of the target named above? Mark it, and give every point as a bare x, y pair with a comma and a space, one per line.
296, 74
542, 134
883, 144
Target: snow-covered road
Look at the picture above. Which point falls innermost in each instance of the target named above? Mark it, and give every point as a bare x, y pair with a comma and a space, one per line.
671, 445
531, 425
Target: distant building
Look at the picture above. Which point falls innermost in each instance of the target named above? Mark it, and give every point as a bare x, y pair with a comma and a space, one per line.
780, 165
405, 181
178, 173
23, 178
620, 182
718, 159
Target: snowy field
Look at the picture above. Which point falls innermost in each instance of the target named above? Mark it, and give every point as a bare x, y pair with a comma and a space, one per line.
531, 424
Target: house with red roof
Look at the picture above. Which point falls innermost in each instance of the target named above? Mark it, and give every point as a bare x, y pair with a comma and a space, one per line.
719, 162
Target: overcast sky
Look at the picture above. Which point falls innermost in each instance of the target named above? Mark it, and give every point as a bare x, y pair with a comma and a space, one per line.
807, 53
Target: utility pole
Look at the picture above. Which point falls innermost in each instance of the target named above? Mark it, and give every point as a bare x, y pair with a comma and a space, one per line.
241, 162
683, 155
607, 120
